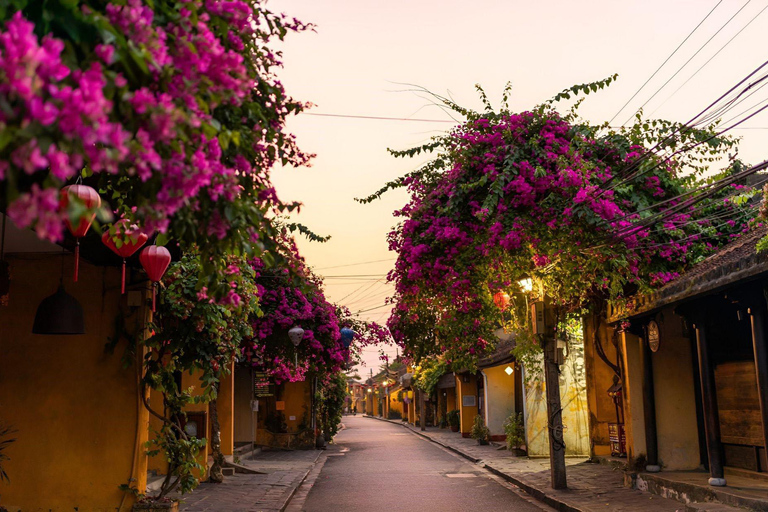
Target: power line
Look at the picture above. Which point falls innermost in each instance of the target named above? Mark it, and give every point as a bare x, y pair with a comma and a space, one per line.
356, 264
688, 61
381, 118
710, 59
665, 61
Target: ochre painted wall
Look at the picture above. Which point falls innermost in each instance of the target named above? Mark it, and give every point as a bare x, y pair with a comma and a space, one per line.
676, 423
468, 413
573, 399
226, 410
500, 392
602, 410
79, 420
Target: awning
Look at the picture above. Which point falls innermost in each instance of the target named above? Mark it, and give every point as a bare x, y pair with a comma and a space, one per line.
446, 381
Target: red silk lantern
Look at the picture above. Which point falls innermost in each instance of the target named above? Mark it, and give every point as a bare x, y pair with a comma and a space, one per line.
91, 200
132, 239
155, 260
501, 300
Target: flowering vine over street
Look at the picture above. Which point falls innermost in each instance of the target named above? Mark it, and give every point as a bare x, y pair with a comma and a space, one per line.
560, 287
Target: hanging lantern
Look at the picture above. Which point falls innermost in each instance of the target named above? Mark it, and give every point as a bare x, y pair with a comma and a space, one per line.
296, 334
501, 300
155, 260
132, 239
91, 200
347, 335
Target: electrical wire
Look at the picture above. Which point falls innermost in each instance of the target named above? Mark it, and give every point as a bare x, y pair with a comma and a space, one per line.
709, 60
665, 61
380, 118
688, 61
356, 264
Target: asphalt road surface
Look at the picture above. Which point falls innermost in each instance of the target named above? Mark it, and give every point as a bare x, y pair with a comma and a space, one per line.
379, 466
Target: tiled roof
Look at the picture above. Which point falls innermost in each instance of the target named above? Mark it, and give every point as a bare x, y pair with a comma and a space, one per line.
737, 261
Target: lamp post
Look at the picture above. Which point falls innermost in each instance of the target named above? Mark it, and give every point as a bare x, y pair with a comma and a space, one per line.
543, 321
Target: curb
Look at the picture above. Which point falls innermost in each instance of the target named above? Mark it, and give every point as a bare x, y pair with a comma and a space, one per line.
296, 488
559, 505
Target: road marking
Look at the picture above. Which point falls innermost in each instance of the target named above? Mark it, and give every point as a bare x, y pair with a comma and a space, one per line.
461, 475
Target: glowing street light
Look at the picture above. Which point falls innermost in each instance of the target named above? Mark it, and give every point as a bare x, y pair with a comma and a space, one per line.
509, 370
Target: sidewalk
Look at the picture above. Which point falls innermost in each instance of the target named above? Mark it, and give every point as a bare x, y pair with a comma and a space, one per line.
591, 487
284, 473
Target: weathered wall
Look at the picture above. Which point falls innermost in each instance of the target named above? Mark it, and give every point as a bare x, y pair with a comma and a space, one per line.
599, 378
573, 397
500, 404
676, 422
467, 413
80, 424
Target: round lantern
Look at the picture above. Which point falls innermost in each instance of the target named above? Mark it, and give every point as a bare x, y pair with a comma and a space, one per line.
132, 241
155, 260
91, 200
347, 335
501, 300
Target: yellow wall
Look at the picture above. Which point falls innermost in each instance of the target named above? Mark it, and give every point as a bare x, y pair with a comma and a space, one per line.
500, 393
467, 413
226, 409
599, 378
78, 414
676, 423
450, 399
573, 399
297, 399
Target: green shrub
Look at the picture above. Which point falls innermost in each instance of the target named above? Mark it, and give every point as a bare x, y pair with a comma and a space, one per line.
479, 431
453, 418
514, 428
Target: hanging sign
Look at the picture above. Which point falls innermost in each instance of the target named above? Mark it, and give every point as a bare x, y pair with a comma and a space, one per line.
261, 384
653, 336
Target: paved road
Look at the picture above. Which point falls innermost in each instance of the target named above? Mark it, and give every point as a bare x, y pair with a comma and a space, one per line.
387, 468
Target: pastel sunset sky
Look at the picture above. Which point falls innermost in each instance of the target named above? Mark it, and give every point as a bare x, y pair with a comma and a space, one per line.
363, 53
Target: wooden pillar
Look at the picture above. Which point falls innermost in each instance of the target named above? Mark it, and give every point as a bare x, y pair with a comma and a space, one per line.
757, 313
709, 404
649, 410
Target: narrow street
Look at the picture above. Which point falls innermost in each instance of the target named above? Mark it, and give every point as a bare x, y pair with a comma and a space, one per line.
385, 467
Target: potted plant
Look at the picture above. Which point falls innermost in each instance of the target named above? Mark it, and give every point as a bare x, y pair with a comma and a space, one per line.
151, 504
443, 423
453, 418
514, 428
479, 431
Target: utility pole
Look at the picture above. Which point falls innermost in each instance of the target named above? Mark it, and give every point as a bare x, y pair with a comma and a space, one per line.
544, 322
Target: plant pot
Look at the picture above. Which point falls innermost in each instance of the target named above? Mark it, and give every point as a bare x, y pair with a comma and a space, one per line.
482, 442
454, 428
519, 452
155, 506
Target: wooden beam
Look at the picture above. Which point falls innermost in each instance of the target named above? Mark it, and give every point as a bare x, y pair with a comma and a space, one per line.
649, 410
709, 404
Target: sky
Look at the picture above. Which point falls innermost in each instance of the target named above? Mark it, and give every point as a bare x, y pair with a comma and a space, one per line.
364, 59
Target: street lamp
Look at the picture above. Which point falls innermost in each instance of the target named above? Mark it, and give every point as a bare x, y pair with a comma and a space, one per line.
509, 370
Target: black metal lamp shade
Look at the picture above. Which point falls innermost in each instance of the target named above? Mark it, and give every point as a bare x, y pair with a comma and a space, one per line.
59, 313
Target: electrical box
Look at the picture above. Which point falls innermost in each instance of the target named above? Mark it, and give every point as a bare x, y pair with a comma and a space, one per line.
542, 318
